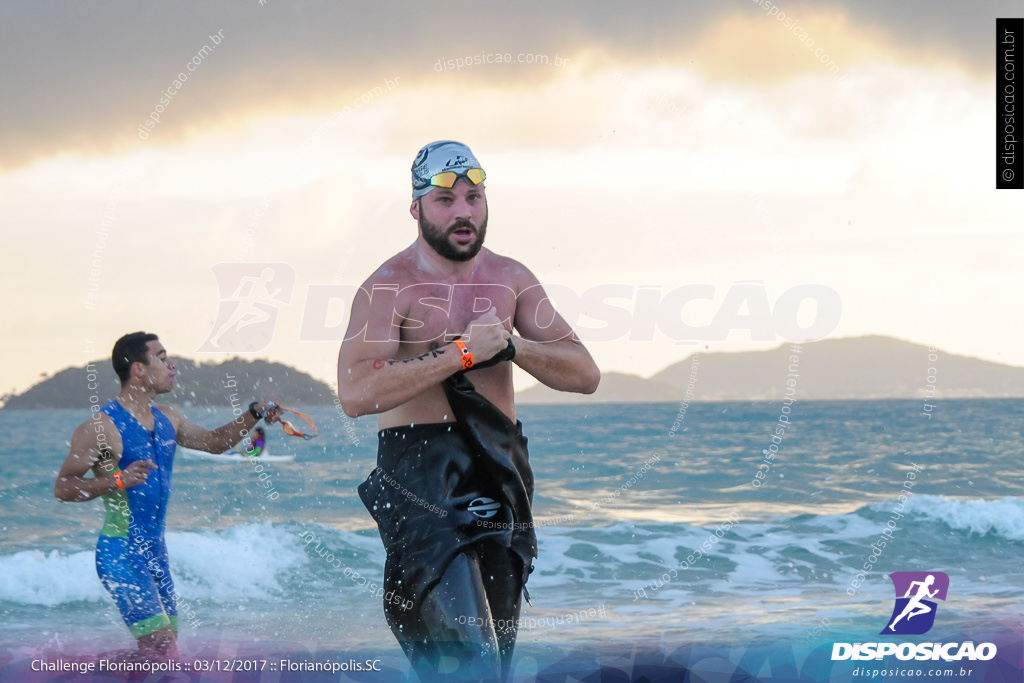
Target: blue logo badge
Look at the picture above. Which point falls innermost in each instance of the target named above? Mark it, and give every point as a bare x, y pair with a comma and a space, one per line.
916, 592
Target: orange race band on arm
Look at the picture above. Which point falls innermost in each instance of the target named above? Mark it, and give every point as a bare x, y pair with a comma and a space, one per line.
467, 355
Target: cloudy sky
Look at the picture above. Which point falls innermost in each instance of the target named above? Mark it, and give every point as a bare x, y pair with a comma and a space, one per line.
821, 166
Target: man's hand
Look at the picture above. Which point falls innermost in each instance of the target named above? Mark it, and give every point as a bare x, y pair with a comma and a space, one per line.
486, 336
271, 409
136, 473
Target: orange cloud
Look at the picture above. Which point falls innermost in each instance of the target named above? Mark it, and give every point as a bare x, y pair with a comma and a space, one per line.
773, 45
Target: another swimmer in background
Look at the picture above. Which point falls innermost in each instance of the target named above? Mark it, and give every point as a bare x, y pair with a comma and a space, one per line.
129, 446
259, 441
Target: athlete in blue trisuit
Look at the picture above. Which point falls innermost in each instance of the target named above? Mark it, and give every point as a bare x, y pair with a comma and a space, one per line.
129, 446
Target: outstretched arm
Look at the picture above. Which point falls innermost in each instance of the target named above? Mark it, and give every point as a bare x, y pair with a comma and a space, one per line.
213, 440
553, 354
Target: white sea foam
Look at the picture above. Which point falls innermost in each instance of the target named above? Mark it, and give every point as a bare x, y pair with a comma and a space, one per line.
34, 577
244, 561
1003, 517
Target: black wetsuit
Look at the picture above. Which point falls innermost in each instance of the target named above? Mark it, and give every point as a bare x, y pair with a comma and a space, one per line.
452, 502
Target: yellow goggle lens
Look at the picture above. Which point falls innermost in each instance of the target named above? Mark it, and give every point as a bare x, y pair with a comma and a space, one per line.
448, 178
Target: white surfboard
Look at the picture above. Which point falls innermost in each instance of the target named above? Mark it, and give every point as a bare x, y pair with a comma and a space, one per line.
233, 456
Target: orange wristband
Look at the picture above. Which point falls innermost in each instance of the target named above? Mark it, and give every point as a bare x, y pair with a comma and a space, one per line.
467, 355
117, 478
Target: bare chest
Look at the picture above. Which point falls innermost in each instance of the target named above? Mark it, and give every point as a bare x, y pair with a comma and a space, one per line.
435, 313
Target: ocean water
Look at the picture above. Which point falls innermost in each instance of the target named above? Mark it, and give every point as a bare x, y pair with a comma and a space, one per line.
276, 560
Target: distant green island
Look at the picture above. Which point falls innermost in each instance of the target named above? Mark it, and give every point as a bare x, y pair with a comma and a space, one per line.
199, 384
872, 367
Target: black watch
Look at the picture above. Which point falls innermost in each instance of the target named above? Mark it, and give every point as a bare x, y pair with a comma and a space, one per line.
252, 411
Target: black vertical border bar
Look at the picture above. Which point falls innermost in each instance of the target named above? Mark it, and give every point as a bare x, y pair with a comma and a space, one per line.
1009, 104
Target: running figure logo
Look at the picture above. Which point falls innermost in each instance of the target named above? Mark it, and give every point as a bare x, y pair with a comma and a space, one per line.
250, 296
914, 613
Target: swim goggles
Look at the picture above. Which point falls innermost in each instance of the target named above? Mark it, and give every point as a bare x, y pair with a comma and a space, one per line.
274, 413
449, 178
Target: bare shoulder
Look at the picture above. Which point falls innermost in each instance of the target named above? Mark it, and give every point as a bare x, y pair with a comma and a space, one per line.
90, 430
396, 270
85, 433
89, 441
508, 271
174, 415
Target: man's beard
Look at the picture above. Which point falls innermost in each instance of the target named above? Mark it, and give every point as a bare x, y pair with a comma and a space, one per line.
438, 239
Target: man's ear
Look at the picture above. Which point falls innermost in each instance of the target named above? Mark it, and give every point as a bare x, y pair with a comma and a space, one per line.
414, 209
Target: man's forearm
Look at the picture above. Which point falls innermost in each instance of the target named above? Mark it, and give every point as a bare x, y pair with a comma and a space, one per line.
380, 385
80, 489
226, 436
564, 365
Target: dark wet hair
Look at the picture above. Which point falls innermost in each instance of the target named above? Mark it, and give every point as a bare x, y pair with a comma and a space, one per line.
131, 348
